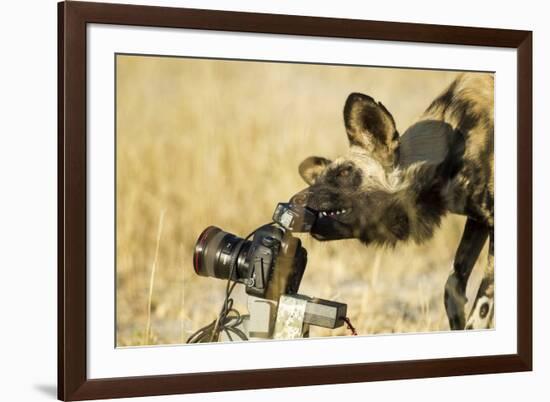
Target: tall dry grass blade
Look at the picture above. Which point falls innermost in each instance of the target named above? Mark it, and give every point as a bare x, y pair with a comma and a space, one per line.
152, 281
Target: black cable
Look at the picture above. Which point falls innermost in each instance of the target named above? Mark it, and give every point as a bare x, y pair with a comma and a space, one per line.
229, 318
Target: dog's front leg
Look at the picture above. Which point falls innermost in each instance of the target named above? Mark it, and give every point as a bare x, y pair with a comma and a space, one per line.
472, 241
482, 313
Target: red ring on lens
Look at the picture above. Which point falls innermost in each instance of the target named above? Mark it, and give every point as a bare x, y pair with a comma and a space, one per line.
200, 246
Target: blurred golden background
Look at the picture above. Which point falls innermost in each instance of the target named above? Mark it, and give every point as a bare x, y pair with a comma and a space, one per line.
216, 142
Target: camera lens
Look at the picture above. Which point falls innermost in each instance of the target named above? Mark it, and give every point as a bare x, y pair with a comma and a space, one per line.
217, 251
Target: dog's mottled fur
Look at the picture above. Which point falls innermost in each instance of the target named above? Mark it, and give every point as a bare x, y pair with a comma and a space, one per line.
370, 195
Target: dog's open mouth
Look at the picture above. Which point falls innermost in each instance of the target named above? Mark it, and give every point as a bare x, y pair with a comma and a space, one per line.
333, 213
332, 224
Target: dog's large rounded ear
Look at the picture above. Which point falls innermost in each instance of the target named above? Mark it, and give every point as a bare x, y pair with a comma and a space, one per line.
312, 167
371, 127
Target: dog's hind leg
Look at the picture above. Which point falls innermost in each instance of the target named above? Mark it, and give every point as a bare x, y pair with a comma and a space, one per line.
482, 312
472, 241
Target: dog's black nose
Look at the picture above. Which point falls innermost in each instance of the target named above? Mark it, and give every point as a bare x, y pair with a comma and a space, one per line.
301, 198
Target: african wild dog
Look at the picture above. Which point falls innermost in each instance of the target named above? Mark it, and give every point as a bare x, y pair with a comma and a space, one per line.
392, 188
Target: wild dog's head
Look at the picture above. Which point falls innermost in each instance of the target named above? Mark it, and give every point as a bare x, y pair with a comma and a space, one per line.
361, 195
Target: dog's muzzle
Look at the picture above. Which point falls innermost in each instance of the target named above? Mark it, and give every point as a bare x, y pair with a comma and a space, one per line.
301, 198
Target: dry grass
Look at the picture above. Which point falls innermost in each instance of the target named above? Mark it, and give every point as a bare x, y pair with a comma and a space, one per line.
219, 142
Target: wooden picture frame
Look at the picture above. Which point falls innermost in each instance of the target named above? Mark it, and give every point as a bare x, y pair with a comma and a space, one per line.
73, 17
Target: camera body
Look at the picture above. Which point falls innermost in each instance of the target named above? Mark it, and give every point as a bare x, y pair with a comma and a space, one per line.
275, 263
270, 264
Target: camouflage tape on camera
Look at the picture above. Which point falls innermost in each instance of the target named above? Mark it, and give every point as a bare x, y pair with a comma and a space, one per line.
290, 318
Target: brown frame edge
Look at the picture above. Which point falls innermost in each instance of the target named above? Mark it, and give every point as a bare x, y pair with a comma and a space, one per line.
73, 383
